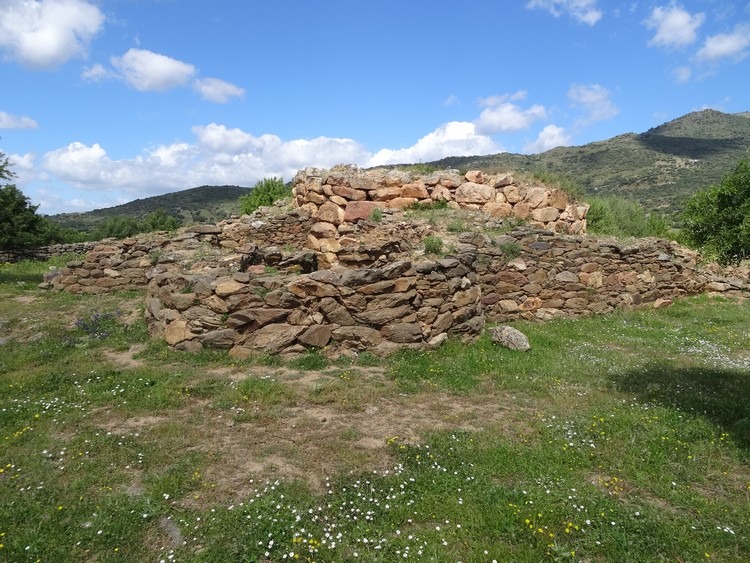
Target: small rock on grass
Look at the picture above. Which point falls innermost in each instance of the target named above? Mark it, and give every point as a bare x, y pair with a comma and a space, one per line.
510, 338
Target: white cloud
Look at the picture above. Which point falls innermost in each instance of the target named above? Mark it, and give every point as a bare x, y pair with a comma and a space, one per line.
550, 137
95, 73
219, 156
44, 34
726, 45
148, 71
23, 167
501, 115
594, 99
8, 121
675, 27
457, 138
502, 98
585, 11
215, 90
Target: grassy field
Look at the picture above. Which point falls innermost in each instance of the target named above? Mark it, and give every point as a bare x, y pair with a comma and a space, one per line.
618, 438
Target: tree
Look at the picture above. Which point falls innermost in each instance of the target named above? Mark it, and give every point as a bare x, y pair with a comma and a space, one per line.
265, 192
158, 220
717, 219
20, 226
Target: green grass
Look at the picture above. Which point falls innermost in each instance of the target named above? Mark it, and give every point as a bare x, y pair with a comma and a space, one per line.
617, 438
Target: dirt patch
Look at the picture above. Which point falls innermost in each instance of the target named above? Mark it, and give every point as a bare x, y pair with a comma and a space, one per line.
126, 359
123, 425
310, 442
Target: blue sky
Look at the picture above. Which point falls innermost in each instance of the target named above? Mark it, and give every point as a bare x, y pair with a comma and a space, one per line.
107, 101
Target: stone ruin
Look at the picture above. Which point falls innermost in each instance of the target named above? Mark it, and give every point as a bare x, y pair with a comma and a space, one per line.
330, 274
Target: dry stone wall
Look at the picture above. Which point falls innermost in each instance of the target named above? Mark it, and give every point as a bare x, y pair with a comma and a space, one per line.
45, 252
338, 197
536, 274
404, 304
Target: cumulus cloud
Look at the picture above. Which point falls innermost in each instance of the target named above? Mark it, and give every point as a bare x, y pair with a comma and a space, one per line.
550, 137
23, 167
43, 34
502, 115
675, 26
595, 100
219, 156
585, 11
147, 71
726, 45
8, 121
215, 90
457, 138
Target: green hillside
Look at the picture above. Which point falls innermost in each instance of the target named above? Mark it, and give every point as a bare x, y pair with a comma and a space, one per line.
205, 204
660, 168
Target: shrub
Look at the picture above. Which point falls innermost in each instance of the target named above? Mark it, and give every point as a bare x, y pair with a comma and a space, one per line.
559, 180
619, 217
717, 219
433, 245
265, 192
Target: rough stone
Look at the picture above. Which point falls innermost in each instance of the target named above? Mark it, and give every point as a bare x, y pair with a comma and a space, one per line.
273, 338
402, 332
331, 213
359, 210
471, 192
510, 337
177, 331
317, 336
224, 338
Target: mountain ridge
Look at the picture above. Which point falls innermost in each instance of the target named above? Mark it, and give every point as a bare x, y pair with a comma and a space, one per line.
202, 204
660, 168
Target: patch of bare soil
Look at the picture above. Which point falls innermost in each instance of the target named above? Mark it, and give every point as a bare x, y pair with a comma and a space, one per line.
337, 421
311, 442
126, 359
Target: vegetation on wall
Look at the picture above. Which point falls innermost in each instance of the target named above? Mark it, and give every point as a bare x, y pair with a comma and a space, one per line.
619, 217
265, 192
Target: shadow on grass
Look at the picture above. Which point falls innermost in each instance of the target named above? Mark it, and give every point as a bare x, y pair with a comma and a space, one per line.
720, 395
32, 279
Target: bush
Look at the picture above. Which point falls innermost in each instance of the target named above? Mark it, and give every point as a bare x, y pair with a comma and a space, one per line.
123, 226
717, 219
619, 217
433, 245
561, 181
264, 193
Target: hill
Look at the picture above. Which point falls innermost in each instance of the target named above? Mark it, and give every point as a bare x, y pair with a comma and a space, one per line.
205, 204
660, 168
